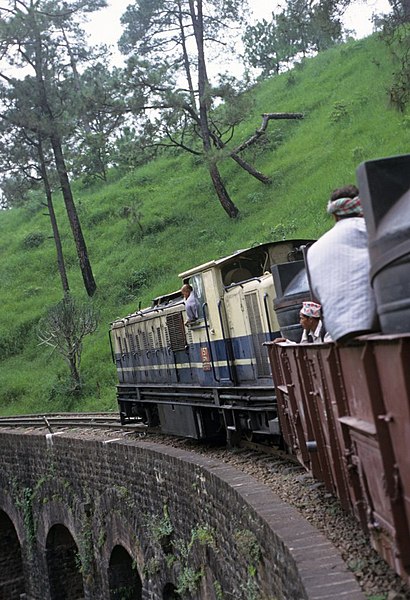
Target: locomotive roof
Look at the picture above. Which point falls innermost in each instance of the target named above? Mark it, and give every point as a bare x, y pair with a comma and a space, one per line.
245, 251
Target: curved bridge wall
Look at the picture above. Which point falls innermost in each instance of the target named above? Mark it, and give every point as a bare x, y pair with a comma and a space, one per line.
186, 522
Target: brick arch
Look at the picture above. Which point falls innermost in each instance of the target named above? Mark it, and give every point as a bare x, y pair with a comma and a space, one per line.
122, 578
120, 532
56, 512
8, 505
12, 579
65, 578
48, 515
124, 527
170, 592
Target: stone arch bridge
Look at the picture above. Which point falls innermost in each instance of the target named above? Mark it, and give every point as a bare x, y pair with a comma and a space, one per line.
99, 517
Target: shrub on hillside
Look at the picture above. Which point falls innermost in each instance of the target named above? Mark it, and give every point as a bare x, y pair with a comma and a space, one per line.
358, 154
99, 217
34, 205
163, 223
256, 197
33, 240
290, 79
339, 112
32, 290
138, 279
12, 395
13, 341
281, 231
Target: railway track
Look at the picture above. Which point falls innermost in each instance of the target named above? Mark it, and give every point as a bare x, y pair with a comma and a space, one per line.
55, 421
58, 420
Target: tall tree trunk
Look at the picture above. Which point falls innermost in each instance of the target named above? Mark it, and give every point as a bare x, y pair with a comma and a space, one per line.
203, 84
74, 371
85, 266
186, 58
54, 226
55, 140
227, 204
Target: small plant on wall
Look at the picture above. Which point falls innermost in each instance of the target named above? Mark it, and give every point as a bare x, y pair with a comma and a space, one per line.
161, 529
190, 576
248, 547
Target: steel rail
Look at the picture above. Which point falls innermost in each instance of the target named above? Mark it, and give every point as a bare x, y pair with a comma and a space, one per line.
91, 420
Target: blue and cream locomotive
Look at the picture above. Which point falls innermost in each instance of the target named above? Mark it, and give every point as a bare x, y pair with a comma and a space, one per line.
212, 377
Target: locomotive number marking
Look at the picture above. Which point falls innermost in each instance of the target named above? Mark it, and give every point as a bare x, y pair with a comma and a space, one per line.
206, 363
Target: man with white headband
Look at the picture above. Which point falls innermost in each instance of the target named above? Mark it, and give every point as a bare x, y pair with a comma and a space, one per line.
338, 266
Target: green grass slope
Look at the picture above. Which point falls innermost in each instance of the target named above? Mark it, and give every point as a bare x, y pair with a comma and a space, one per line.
145, 228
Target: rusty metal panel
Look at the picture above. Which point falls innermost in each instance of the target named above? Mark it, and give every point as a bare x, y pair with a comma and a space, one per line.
373, 447
327, 389
392, 355
299, 417
315, 420
275, 363
332, 373
291, 416
354, 400
281, 393
304, 416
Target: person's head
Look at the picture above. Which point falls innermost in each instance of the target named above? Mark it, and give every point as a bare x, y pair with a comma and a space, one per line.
347, 191
309, 315
186, 290
345, 202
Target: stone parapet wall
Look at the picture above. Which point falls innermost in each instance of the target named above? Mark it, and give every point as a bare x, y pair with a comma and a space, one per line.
185, 520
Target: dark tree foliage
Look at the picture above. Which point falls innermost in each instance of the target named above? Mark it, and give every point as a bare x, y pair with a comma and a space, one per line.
266, 46
102, 111
26, 161
395, 32
43, 40
303, 27
167, 43
400, 11
134, 147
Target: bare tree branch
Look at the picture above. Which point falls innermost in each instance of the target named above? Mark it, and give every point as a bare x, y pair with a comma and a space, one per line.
266, 117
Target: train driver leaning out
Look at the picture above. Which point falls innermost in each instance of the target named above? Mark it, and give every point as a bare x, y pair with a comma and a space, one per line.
311, 322
191, 303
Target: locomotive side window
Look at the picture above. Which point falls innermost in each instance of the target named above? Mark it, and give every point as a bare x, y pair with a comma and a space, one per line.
197, 284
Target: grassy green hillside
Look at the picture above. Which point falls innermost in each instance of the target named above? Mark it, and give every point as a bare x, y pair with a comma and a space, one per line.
145, 228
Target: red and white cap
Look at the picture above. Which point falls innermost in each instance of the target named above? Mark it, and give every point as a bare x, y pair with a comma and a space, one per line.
311, 309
